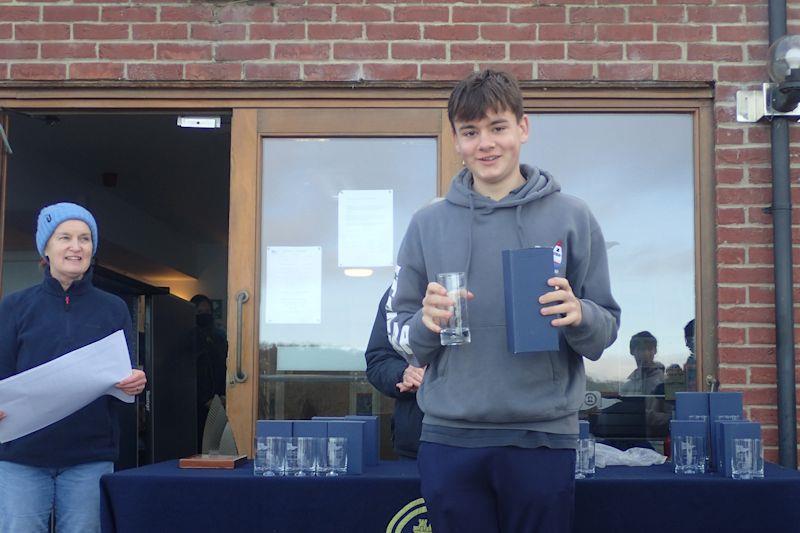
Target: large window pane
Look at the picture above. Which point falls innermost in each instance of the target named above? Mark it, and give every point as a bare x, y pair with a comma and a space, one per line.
636, 172
315, 367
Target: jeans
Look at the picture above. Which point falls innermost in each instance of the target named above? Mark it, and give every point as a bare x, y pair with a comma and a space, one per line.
28, 494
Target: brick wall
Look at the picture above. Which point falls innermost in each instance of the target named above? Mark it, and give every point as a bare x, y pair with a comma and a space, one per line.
721, 40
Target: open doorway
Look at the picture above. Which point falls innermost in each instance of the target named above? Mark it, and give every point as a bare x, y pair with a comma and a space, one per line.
160, 194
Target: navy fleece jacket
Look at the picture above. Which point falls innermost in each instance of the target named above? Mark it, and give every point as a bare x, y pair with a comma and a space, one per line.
39, 324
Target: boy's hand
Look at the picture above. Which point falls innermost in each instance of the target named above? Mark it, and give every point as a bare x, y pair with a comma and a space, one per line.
2, 415
436, 306
569, 305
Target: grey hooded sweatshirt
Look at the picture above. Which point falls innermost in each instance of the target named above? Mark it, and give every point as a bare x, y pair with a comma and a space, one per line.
482, 385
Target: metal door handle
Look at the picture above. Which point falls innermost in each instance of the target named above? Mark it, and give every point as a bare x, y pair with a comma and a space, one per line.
240, 376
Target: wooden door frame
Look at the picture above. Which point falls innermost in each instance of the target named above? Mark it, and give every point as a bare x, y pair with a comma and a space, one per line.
246, 99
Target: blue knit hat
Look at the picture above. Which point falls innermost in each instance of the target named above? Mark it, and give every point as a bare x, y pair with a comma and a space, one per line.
53, 215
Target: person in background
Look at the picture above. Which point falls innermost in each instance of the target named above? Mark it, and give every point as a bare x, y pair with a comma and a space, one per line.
648, 377
690, 367
389, 372
211, 350
58, 468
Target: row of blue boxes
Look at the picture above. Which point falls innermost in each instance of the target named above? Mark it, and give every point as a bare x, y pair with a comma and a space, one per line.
362, 433
718, 434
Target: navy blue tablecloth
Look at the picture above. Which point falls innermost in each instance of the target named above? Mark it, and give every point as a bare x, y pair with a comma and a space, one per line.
162, 497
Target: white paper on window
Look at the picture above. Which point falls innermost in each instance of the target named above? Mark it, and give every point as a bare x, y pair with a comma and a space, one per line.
366, 228
294, 285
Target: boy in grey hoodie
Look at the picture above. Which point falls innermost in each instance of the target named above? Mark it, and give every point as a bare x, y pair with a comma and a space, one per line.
499, 432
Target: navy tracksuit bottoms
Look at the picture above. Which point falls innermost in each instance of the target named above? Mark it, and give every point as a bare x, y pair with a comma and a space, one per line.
498, 489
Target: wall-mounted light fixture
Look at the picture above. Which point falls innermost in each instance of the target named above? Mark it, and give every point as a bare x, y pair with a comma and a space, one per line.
781, 97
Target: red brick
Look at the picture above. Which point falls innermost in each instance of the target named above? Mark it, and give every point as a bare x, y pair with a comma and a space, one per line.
659, 14
40, 32
332, 31
682, 72
521, 71
305, 14
714, 52
731, 295
245, 13
127, 51
241, 52
583, 15
395, 71
129, 14
684, 33
761, 396
760, 255
70, 13
742, 33
729, 175
744, 195
330, 72
159, 32
759, 175
761, 335
418, 51
744, 274
362, 13
421, 14
730, 255
561, 71
729, 136
194, 13
278, 31
213, 71
762, 295
451, 32
480, 14
261, 71
716, 14
539, 14
450, 71
539, 51
38, 71
302, 52
155, 71
566, 32
756, 315
96, 71
6, 31
19, 13
69, 51
594, 51
19, 50
100, 32
731, 335
508, 32
680, 2
219, 32
764, 415
572, 2
625, 32
360, 51
392, 32
753, 235
760, 14
742, 354
478, 52
184, 52
757, 215
732, 375
658, 51
743, 155
740, 73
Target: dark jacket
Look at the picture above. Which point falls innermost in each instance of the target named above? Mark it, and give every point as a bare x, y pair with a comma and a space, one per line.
41, 323
385, 370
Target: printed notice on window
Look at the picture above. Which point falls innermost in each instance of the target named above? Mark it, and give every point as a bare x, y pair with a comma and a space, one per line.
294, 285
366, 228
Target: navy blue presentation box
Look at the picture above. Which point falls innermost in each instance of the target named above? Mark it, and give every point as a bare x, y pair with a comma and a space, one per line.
525, 275
690, 403
274, 428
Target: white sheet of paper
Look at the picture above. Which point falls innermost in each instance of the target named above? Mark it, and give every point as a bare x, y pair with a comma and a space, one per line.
366, 228
294, 285
38, 397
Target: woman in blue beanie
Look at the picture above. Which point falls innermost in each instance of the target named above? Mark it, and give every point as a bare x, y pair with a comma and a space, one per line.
58, 468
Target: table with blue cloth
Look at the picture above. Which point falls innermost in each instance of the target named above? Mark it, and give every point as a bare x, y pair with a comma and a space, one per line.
619, 499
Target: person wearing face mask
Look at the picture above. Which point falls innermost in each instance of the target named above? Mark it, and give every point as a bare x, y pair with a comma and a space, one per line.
58, 468
211, 348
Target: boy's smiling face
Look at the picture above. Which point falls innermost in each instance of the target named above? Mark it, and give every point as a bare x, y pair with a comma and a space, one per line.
490, 148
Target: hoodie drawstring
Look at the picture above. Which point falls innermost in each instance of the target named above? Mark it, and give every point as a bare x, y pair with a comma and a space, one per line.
520, 229
469, 235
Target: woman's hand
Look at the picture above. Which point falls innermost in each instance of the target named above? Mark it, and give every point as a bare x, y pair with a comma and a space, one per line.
2, 415
133, 384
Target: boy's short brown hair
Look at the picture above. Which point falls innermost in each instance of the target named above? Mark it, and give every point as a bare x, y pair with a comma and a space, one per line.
480, 92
